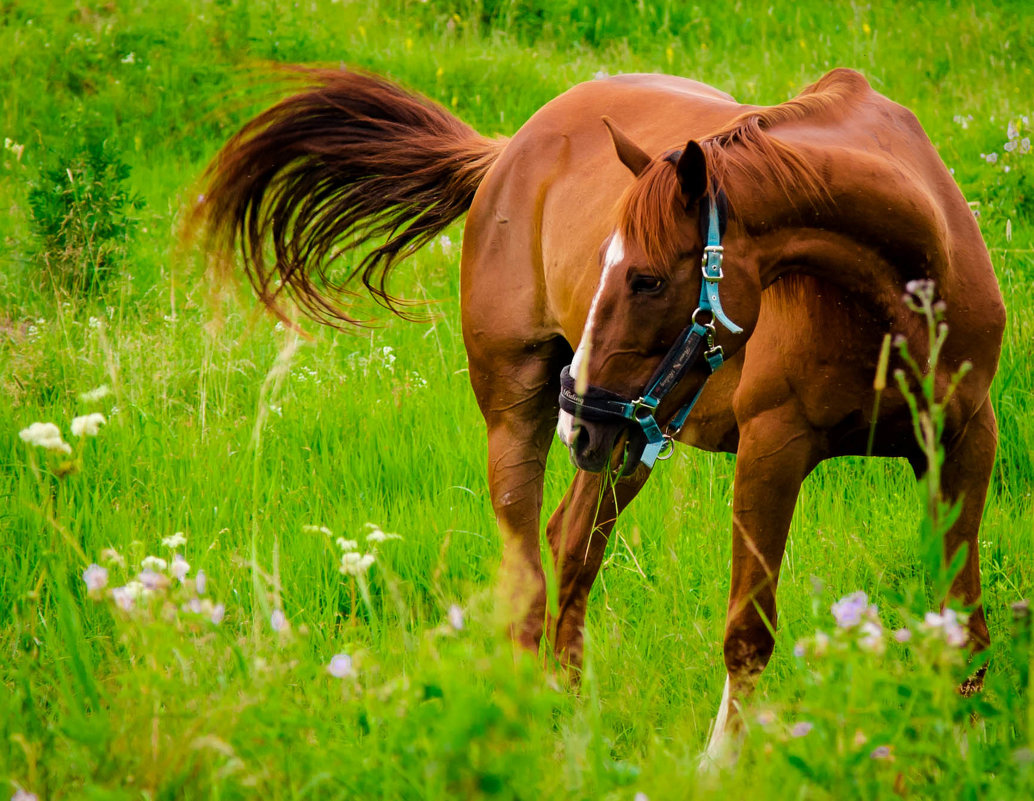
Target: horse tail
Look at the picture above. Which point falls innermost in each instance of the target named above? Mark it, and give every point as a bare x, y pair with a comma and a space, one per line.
351, 161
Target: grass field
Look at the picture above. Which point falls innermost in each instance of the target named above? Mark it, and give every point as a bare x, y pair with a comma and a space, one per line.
249, 440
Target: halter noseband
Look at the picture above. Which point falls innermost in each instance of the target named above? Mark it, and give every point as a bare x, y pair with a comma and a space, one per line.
601, 405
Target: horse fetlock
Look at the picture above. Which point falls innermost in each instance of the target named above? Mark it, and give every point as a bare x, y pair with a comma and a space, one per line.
747, 651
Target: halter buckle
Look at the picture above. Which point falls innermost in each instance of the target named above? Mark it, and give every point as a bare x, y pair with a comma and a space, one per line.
644, 403
713, 253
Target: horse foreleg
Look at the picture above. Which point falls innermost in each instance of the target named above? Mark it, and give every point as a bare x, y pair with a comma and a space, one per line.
578, 532
518, 398
776, 451
965, 476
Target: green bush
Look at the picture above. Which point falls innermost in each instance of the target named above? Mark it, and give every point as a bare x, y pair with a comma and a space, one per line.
80, 212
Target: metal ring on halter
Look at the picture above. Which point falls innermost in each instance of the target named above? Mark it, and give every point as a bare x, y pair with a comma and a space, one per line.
708, 325
667, 448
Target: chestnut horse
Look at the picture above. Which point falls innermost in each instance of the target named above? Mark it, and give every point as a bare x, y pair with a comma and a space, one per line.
830, 203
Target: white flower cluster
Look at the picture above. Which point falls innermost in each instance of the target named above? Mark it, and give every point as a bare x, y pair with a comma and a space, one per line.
88, 425
45, 435
1015, 142
353, 561
379, 359
948, 625
157, 578
48, 435
95, 395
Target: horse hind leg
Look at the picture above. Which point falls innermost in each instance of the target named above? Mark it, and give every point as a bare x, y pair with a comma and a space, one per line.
965, 476
517, 389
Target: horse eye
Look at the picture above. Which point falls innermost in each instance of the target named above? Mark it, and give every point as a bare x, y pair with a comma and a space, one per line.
646, 284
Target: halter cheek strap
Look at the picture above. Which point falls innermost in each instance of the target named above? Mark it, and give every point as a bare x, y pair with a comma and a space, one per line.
601, 405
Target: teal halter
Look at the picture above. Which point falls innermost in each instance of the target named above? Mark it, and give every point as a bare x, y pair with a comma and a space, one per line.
601, 405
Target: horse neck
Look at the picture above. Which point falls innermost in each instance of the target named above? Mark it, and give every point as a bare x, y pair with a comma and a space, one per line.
862, 232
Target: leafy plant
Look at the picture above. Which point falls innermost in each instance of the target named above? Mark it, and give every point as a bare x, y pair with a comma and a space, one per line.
81, 215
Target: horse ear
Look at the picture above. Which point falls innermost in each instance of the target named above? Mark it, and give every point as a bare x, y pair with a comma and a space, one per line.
692, 172
631, 155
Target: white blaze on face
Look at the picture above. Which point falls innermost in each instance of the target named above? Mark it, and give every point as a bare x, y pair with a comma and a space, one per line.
579, 364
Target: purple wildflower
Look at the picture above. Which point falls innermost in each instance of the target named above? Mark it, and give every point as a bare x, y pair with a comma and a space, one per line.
801, 729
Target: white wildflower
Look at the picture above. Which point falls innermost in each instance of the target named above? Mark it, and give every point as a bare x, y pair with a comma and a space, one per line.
949, 625
278, 620
129, 58
180, 567
340, 666
88, 424
95, 395
122, 598
456, 617
177, 540
204, 607
872, 639
153, 563
377, 535
346, 545
96, 578
200, 582
23, 795
126, 596
45, 435
112, 557
1011, 130
445, 244
354, 563
318, 530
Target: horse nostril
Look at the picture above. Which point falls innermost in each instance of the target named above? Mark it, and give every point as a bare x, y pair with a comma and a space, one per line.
580, 440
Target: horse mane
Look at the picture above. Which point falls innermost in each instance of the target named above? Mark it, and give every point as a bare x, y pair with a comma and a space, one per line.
650, 208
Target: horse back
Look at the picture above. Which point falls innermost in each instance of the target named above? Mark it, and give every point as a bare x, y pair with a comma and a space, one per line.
538, 219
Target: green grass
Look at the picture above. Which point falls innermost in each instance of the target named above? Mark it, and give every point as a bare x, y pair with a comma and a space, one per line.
207, 436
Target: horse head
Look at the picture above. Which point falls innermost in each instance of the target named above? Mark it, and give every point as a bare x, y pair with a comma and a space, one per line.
656, 328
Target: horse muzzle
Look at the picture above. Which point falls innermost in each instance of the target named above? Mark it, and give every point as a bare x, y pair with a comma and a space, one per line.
599, 430
596, 447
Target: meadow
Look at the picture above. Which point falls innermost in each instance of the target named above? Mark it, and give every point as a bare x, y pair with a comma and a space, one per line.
311, 513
